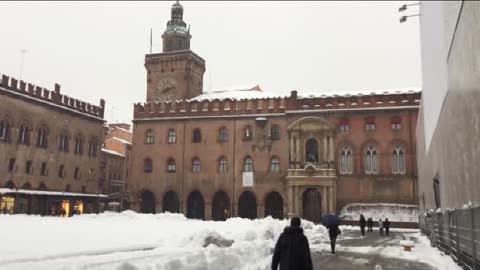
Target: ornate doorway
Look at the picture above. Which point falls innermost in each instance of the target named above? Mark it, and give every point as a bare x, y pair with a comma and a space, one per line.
312, 205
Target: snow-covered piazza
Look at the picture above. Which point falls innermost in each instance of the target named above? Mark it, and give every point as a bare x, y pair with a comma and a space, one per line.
127, 241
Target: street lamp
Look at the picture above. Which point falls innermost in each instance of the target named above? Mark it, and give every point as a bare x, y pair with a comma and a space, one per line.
404, 18
403, 8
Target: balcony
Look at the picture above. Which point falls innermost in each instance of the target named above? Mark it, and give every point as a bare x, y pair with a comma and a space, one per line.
325, 169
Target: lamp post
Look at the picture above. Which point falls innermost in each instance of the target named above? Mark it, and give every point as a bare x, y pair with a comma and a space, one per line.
403, 8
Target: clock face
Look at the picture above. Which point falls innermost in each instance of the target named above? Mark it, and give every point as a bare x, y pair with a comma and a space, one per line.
166, 89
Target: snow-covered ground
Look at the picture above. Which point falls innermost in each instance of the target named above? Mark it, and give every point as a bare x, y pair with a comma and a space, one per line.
376, 211
127, 241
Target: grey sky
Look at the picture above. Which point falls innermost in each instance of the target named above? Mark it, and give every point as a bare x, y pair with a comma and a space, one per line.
96, 49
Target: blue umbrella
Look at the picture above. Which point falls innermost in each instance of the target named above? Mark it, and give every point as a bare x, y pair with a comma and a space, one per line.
329, 220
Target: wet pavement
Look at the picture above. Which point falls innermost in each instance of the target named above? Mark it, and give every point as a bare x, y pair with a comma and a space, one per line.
364, 253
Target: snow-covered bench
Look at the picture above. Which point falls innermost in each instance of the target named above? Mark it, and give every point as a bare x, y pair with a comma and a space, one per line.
407, 245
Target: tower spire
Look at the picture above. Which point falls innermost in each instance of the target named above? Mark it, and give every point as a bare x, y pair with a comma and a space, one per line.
177, 36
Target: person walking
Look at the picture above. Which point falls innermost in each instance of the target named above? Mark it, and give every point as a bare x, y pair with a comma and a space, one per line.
292, 251
370, 224
333, 232
363, 222
380, 227
386, 224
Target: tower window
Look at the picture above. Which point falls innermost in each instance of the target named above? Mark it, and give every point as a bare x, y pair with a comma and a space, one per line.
248, 164
172, 137
196, 165
247, 133
197, 136
275, 132
171, 168
223, 135
275, 165
149, 138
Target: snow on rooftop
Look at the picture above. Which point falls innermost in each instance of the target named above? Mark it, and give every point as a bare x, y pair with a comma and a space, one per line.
255, 92
44, 192
112, 152
119, 139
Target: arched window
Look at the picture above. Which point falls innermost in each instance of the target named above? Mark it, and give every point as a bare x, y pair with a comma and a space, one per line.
311, 150
223, 135
78, 145
172, 136
4, 130
274, 165
197, 136
61, 171
248, 164
222, 165
147, 165
63, 142
171, 168
196, 165
149, 138
275, 132
247, 133
398, 161
42, 137
371, 160
24, 134
346, 161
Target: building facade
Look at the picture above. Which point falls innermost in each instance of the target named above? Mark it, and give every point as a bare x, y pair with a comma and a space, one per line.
116, 157
251, 154
49, 150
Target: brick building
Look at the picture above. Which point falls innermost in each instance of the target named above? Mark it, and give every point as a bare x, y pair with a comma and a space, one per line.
251, 153
49, 150
115, 157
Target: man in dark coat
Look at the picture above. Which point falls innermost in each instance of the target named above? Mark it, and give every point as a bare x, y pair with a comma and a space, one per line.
386, 224
363, 222
333, 232
370, 224
292, 251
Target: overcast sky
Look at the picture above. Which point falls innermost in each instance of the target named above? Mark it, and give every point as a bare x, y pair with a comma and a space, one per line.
96, 49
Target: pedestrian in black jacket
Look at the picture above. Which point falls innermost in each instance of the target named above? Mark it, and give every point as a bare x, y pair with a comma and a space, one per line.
370, 224
333, 232
363, 222
386, 224
292, 251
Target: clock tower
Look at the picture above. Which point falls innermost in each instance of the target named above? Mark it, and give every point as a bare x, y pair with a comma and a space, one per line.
177, 72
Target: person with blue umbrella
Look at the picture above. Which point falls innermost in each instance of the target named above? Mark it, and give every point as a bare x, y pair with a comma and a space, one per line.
332, 222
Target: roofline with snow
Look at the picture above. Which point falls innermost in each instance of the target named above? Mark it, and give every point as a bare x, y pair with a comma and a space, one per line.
272, 106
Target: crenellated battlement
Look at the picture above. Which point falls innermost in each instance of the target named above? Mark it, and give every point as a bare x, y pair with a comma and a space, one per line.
272, 105
53, 97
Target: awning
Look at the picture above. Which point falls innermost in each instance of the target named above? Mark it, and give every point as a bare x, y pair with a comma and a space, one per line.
48, 193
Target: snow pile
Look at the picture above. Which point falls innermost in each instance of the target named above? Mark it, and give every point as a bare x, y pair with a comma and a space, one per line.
376, 211
129, 240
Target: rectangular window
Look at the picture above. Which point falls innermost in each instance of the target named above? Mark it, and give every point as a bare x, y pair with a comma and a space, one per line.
43, 169
28, 167
344, 128
11, 165
275, 133
396, 126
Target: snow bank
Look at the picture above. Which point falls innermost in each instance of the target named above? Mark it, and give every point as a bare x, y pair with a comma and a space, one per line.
376, 211
129, 240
